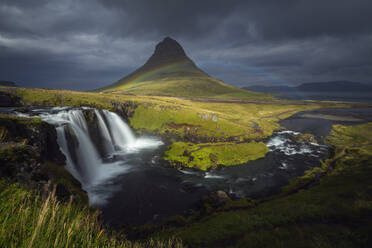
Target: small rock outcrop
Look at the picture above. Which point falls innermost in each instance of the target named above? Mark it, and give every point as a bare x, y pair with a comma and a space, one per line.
9, 100
30, 155
307, 138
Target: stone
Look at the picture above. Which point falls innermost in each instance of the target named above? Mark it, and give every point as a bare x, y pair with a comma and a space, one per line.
220, 196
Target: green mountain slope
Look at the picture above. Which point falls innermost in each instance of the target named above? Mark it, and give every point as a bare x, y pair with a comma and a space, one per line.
169, 71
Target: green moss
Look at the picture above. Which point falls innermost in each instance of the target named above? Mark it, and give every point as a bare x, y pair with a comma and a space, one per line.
206, 155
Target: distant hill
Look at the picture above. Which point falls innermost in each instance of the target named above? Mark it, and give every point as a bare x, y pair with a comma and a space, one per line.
169, 71
8, 83
269, 89
336, 86
334, 90
332, 86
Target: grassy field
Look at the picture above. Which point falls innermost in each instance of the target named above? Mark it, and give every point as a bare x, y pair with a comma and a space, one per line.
27, 220
336, 212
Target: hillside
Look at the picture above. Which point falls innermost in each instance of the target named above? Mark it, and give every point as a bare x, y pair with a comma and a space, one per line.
170, 72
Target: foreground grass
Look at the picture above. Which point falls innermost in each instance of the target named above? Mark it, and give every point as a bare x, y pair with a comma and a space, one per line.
210, 155
26, 220
337, 212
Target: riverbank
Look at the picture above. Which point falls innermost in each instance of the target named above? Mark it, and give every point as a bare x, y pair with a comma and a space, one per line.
335, 212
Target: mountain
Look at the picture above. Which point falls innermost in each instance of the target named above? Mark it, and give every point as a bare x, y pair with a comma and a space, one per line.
332, 86
169, 71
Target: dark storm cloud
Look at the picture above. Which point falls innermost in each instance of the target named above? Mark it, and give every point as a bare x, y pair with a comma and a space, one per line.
81, 44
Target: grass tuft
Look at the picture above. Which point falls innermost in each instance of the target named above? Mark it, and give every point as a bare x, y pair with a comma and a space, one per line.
27, 220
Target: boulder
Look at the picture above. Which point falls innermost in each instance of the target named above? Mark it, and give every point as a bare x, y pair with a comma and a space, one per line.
306, 137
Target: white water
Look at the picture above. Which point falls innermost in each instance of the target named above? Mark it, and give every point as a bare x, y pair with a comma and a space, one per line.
88, 167
109, 146
213, 176
120, 132
283, 143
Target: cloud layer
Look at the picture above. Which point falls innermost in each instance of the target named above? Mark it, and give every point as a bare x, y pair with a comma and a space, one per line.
84, 44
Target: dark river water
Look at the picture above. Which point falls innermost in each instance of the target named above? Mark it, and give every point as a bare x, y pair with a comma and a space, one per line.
146, 190
153, 191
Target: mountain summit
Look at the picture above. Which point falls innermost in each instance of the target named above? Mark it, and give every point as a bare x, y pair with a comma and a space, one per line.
167, 52
168, 49
169, 71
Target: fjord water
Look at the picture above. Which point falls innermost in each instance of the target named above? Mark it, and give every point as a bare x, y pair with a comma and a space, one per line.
126, 178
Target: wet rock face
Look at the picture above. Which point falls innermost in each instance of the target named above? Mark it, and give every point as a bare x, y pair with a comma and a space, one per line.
124, 109
30, 155
45, 138
9, 100
213, 200
73, 143
220, 197
34, 133
94, 132
307, 138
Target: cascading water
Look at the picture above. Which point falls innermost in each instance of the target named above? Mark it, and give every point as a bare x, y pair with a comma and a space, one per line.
120, 132
107, 140
82, 157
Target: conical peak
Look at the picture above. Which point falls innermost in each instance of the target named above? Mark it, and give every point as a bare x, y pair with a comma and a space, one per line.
169, 48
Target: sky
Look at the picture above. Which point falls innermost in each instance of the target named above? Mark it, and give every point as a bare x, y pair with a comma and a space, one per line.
86, 44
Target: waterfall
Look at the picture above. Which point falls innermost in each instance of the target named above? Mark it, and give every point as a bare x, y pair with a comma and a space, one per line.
82, 158
109, 146
120, 132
